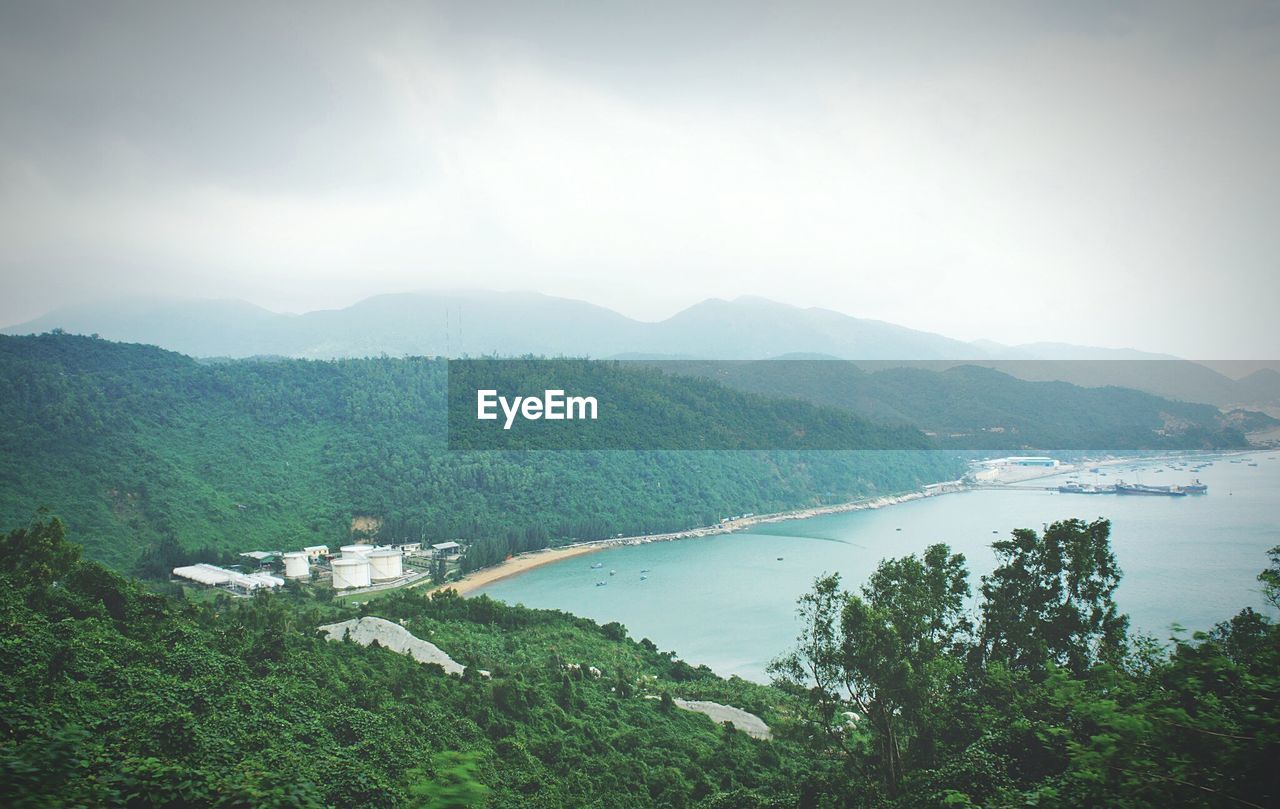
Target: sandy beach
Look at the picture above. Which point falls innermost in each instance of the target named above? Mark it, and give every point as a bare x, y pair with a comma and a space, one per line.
517, 564
528, 561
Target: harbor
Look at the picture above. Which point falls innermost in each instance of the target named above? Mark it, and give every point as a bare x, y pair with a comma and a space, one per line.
1120, 487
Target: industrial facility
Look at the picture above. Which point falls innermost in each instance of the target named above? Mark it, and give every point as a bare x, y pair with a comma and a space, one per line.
358, 565
361, 565
386, 564
297, 565
213, 576
446, 550
351, 572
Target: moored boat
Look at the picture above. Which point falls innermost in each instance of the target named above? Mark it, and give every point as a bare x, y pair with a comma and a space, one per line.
1085, 488
1140, 489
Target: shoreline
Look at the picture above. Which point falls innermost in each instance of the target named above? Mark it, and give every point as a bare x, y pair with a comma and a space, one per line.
529, 560
515, 565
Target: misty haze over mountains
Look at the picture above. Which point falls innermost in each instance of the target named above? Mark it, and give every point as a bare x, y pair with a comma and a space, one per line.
478, 323
505, 323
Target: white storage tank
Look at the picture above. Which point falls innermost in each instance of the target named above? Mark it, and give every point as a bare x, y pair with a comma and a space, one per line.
297, 565
204, 574
356, 551
348, 573
386, 563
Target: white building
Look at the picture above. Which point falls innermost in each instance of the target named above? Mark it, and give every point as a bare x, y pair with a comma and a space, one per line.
208, 575
213, 576
260, 556
1023, 460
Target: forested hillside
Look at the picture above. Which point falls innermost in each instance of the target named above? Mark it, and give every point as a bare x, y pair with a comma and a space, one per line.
134, 445
982, 408
903, 694
115, 696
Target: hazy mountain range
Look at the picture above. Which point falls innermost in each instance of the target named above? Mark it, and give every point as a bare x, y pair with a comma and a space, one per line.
476, 323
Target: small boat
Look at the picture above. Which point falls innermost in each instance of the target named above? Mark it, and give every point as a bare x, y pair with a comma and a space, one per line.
601, 583
897, 529
644, 578
597, 565
644, 570
779, 558
613, 572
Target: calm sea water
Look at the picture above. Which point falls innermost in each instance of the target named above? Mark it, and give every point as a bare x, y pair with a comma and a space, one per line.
729, 602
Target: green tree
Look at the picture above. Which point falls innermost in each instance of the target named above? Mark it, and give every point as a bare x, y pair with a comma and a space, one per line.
1270, 578
455, 783
876, 665
1051, 599
40, 551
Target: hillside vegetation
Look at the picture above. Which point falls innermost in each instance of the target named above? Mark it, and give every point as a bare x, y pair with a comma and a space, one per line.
899, 695
112, 695
974, 407
143, 448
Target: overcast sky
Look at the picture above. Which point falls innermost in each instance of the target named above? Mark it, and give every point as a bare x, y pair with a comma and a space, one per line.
1106, 174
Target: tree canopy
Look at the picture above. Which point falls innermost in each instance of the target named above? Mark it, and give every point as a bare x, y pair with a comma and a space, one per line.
1046, 701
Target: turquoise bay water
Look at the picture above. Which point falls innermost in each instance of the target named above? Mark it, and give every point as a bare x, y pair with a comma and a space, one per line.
728, 601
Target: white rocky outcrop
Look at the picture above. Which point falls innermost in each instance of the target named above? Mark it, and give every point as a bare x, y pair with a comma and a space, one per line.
365, 631
748, 723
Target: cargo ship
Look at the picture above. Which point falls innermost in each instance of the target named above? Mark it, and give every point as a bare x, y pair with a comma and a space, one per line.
1085, 488
1140, 489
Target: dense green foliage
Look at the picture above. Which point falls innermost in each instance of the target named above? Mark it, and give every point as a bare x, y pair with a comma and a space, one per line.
137, 446
639, 407
1046, 702
114, 695
973, 407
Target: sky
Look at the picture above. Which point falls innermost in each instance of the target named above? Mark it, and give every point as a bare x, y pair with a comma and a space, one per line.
1096, 173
